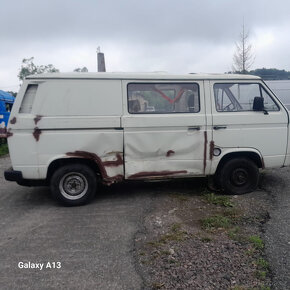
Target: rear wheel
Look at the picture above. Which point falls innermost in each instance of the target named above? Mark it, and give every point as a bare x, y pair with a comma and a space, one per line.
73, 184
238, 176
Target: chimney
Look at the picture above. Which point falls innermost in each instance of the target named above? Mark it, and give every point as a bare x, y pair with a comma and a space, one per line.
101, 61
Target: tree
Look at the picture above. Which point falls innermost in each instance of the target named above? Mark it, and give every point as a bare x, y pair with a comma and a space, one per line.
243, 58
29, 68
84, 69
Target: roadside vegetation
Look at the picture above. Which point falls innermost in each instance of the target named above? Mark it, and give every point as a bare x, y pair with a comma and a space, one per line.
3, 149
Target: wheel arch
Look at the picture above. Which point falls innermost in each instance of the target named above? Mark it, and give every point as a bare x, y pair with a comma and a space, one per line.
57, 163
252, 155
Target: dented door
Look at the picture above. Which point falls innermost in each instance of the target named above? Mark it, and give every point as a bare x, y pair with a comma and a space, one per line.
164, 129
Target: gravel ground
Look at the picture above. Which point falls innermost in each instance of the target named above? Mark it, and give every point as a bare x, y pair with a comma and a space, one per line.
176, 251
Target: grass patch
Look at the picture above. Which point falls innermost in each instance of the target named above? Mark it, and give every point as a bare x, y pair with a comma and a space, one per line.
257, 242
262, 264
218, 199
215, 222
175, 234
3, 149
261, 274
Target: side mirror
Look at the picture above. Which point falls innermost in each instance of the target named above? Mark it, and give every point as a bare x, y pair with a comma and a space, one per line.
258, 104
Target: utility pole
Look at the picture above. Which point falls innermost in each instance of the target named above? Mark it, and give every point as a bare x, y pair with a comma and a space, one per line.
101, 61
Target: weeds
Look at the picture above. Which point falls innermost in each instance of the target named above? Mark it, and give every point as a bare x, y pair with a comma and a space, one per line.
218, 199
262, 264
215, 222
175, 234
3, 149
257, 242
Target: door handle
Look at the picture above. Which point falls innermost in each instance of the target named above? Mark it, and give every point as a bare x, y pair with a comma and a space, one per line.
195, 128
219, 127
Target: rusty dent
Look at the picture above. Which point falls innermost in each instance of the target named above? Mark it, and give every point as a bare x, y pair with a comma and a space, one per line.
37, 119
101, 164
204, 151
155, 174
13, 120
211, 148
169, 152
36, 133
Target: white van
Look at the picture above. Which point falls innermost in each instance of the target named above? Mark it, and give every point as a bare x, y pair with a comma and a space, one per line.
72, 131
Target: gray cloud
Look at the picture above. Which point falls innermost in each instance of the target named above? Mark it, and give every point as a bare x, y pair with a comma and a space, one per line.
181, 36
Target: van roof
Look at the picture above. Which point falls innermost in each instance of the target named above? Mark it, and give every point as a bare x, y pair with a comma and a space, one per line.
141, 76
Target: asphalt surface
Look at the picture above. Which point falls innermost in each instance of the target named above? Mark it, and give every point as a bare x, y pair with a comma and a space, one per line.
93, 243
277, 229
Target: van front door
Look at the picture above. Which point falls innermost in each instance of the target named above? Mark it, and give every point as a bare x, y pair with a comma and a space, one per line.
236, 126
165, 133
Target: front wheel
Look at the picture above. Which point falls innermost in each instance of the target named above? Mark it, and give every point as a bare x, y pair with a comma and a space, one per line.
238, 176
73, 184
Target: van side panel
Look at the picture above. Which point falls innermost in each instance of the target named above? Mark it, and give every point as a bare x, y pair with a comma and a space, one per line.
68, 119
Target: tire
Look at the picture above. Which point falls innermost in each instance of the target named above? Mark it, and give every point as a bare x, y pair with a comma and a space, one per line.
73, 184
239, 176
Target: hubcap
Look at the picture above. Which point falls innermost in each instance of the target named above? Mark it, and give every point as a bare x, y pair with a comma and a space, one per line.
239, 177
73, 185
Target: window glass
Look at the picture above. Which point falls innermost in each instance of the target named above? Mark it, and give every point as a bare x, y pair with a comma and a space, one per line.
163, 98
28, 99
240, 97
269, 104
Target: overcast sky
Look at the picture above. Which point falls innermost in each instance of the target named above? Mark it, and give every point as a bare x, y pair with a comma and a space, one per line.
153, 35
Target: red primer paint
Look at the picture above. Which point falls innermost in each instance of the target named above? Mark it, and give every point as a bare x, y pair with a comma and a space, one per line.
4, 133
36, 133
169, 153
94, 157
204, 151
211, 148
155, 173
13, 121
9, 133
37, 119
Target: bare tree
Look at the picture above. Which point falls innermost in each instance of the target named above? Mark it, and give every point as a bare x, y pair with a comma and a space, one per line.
243, 58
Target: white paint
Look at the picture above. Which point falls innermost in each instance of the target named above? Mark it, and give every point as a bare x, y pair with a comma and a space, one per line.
88, 113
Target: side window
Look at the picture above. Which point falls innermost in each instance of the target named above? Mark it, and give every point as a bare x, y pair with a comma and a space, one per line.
28, 99
239, 97
163, 98
269, 104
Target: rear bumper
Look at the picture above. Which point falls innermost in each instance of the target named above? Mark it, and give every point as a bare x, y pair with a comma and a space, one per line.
14, 175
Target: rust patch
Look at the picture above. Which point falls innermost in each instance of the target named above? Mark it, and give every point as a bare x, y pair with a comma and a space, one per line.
9, 133
204, 151
211, 148
94, 157
4, 133
13, 121
155, 173
36, 133
37, 119
170, 152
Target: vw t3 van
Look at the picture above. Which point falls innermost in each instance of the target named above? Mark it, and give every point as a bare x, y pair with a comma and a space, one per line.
73, 131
